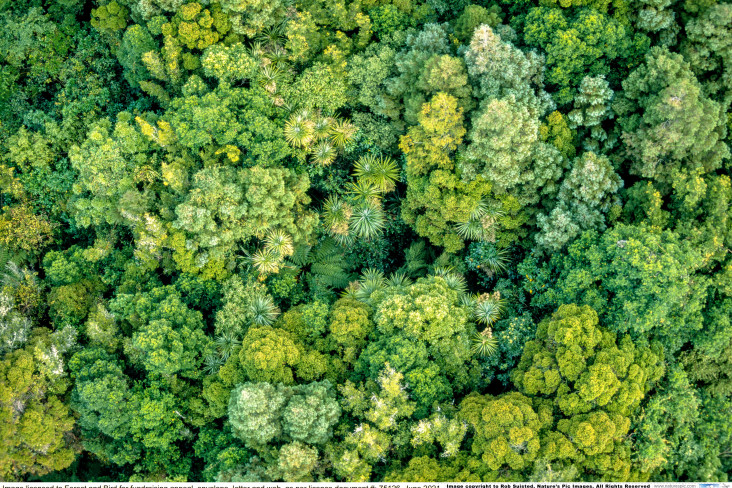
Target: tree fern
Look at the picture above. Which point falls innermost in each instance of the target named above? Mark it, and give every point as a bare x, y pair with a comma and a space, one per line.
336, 216
226, 345
488, 308
342, 132
415, 260
278, 242
398, 279
4, 258
328, 265
300, 257
453, 279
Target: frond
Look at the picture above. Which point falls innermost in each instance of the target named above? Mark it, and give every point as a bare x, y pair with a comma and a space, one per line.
468, 301
342, 133
323, 153
372, 276
480, 209
379, 171
279, 242
481, 225
263, 310
484, 344
266, 261
371, 281
226, 344
336, 216
212, 363
443, 271
494, 259
351, 291
278, 55
364, 191
471, 230
488, 309
273, 35
300, 257
415, 259
256, 49
299, 131
398, 279
329, 264
456, 281
331, 274
367, 221
322, 128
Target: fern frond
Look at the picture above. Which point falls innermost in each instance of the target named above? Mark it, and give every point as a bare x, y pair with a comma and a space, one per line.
301, 256
4, 258
415, 259
329, 264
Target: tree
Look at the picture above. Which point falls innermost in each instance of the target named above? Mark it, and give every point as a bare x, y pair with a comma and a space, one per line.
14, 327
502, 139
449, 433
250, 17
321, 87
311, 413
349, 327
436, 198
664, 427
166, 350
640, 280
587, 43
425, 68
500, 70
255, 412
226, 207
585, 196
245, 118
707, 49
586, 361
424, 334
592, 106
135, 42
295, 463
34, 421
667, 123
108, 162
228, 63
506, 429
472, 17
576, 371
237, 312
269, 354
263, 414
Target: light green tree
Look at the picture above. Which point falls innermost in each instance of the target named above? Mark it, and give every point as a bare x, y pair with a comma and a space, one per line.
668, 123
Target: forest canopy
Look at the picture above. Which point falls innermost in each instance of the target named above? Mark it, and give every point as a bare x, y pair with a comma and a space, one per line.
365, 240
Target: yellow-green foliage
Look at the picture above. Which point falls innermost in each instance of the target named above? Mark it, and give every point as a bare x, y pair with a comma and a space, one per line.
580, 365
506, 429
111, 16
34, 422
197, 28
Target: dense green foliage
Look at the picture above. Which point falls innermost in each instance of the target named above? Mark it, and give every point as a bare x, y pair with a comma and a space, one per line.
365, 240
